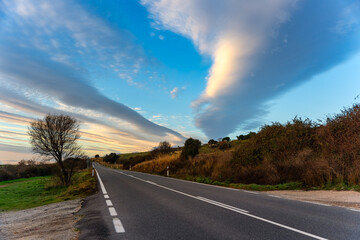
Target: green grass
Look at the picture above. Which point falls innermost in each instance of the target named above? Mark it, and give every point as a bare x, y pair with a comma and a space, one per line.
283, 186
37, 191
254, 187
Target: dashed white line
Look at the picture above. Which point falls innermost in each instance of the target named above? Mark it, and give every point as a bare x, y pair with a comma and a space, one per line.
109, 203
233, 208
118, 226
112, 211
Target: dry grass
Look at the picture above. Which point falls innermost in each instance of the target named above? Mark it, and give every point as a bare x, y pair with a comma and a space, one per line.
157, 165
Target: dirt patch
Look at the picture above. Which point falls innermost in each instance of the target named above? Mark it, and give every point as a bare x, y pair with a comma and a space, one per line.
53, 221
349, 199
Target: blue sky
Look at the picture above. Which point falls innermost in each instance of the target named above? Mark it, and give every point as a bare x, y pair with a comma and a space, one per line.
139, 72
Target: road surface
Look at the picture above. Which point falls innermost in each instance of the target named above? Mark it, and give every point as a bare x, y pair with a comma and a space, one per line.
133, 205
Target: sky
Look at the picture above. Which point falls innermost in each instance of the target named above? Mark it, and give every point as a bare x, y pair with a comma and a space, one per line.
137, 72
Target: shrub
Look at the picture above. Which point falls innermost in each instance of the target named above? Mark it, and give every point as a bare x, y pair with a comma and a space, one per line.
212, 143
224, 145
191, 148
163, 148
111, 158
226, 139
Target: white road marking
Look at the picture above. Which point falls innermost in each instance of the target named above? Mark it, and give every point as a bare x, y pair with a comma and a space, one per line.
101, 184
112, 211
274, 196
151, 182
109, 203
222, 205
250, 192
321, 204
240, 212
118, 226
353, 209
181, 180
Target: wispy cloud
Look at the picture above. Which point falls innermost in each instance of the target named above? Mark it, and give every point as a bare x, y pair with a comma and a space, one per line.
47, 53
259, 49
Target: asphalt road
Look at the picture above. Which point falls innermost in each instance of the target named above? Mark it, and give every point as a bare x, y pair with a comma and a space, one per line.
133, 205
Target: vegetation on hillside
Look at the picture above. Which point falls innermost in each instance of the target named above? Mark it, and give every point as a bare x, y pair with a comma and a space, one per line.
299, 153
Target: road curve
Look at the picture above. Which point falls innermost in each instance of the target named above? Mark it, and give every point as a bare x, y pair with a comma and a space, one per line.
133, 205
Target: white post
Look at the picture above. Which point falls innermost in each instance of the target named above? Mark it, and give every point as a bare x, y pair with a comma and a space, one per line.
167, 171
130, 168
93, 171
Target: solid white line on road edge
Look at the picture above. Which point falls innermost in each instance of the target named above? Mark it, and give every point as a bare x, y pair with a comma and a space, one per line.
109, 203
250, 192
181, 180
240, 212
101, 184
118, 226
106, 196
353, 209
112, 211
151, 182
321, 204
222, 205
274, 196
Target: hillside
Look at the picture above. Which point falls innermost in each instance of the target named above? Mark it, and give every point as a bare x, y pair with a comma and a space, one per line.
300, 153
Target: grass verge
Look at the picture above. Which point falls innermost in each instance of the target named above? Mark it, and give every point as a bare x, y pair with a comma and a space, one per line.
283, 186
37, 191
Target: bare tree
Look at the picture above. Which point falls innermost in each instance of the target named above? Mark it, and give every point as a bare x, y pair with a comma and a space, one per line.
56, 137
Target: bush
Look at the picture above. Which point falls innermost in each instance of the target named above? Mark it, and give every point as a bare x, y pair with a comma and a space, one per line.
226, 139
191, 148
26, 169
111, 158
163, 148
224, 145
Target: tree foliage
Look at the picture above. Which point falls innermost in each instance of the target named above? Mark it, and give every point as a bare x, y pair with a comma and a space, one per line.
110, 158
191, 148
212, 143
163, 148
227, 139
55, 137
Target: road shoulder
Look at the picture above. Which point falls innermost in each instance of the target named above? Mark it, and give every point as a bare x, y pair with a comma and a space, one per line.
53, 221
348, 199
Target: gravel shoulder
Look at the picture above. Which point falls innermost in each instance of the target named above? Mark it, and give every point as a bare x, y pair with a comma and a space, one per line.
349, 199
53, 221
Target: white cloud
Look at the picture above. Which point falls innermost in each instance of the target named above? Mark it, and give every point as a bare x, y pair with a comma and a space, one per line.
256, 46
174, 92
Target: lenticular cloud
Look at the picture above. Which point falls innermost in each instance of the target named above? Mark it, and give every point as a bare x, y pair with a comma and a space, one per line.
259, 50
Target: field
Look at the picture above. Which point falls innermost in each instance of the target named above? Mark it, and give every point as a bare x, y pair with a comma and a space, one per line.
37, 191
